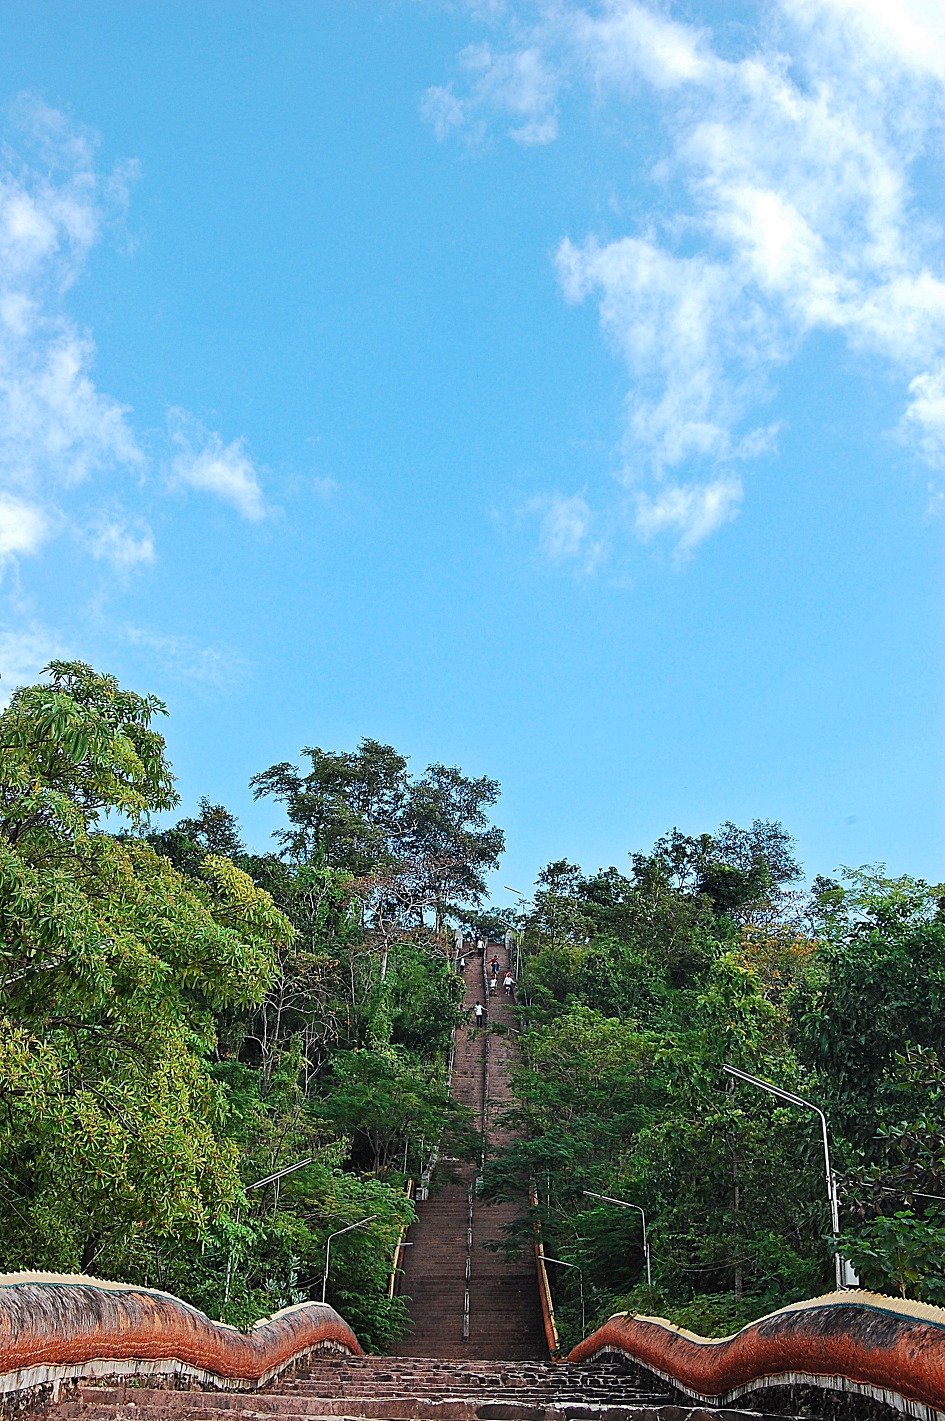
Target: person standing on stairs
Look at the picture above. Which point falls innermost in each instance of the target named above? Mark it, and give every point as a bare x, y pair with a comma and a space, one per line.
479, 1012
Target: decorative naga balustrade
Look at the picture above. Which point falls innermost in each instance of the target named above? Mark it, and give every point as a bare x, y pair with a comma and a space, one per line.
55, 1328
887, 1349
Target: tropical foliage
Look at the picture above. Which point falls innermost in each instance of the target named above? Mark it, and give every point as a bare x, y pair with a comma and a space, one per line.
182, 1019
212, 1059
638, 989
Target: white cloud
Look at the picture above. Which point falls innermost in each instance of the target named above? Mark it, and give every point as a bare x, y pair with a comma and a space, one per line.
627, 42
24, 651
187, 660
124, 547
910, 32
924, 417
204, 462
22, 526
690, 512
788, 204
566, 529
670, 318
521, 83
799, 196
55, 425
443, 110
323, 486
59, 432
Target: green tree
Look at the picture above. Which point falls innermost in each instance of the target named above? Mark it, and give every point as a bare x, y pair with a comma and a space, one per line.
361, 812
189, 841
878, 982
349, 810
112, 965
387, 1102
639, 987
450, 834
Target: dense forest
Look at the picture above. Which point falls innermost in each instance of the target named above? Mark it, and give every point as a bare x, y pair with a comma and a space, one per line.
639, 988
183, 1019
211, 1059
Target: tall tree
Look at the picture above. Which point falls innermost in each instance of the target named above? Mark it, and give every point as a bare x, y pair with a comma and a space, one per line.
450, 834
348, 812
361, 812
112, 965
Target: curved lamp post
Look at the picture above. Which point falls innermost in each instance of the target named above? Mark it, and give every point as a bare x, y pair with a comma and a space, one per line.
337, 1234
792, 1099
580, 1273
258, 1184
518, 932
625, 1204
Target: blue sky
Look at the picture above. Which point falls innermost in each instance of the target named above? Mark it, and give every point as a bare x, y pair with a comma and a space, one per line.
554, 389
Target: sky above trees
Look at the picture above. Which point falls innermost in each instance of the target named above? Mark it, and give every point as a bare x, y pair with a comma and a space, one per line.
555, 390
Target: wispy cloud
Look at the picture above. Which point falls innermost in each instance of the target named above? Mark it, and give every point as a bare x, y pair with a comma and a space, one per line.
23, 526
187, 660
56, 426
520, 82
567, 530
120, 543
690, 512
786, 205
24, 651
204, 462
59, 431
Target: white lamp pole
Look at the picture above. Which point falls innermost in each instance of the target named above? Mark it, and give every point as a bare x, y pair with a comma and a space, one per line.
799, 1100
518, 944
625, 1204
337, 1234
580, 1273
258, 1184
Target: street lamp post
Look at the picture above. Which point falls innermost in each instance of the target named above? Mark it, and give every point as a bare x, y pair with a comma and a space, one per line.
258, 1184
518, 945
580, 1273
625, 1204
799, 1100
337, 1234
280, 1173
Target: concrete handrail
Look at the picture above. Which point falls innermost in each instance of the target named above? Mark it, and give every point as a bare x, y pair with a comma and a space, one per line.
56, 1328
889, 1349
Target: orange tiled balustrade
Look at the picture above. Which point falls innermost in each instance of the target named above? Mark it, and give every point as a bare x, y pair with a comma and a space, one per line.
54, 1328
889, 1349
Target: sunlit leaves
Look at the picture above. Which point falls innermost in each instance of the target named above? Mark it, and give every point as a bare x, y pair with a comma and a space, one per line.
112, 963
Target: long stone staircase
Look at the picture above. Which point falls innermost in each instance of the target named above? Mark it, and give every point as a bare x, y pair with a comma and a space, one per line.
477, 1351
465, 1299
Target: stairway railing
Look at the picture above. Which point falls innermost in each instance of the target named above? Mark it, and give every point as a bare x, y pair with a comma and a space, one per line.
57, 1328
544, 1286
890, 1350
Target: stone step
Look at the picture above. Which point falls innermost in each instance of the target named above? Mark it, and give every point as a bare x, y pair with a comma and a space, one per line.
437, 1383
413, 1408
439, 1387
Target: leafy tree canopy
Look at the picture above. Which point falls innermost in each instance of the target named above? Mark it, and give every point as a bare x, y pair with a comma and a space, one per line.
113, 965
